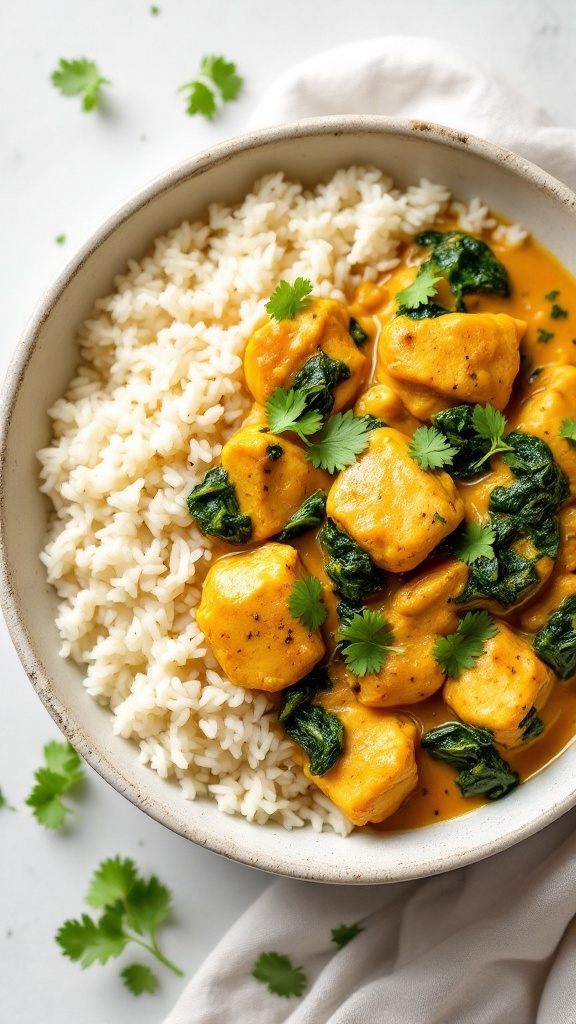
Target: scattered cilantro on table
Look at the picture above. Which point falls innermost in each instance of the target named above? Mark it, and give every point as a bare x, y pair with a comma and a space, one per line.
488, 422
61, 772
132, 908
305, 602
279, 974
60, 239
216, 83
4, 802
345, 933
459, 650
475, 542
430, 449
287, 300
79, 78
365, 641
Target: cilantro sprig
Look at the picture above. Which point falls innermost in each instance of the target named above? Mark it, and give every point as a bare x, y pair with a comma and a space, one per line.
216, 83
459, 650
61, 772
4, 802
488, 422
287, 300
286, 410
132, 908
279, 974
344, 437
422, 289
365, 640
79, 78
345, 933
430, 449
476, 541
568, 430
305, 602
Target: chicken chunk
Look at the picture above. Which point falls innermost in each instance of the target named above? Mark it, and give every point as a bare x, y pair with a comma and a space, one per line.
458, 357
393, 509
384, 402
420, 611
278, 349
507, 681
550, 400
244, 615
377, 769
271, 477
567, 553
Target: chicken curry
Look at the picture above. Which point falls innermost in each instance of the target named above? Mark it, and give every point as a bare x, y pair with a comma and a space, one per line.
397, 518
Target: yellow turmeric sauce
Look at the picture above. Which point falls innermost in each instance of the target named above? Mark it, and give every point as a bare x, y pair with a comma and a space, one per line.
534, 273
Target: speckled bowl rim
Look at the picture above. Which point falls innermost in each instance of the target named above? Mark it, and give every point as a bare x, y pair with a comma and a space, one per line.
285, 860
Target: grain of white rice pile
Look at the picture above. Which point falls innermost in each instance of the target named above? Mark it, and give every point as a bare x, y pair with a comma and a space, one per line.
158, 391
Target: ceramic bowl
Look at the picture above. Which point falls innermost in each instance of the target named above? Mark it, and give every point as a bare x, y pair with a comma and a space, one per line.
44, 363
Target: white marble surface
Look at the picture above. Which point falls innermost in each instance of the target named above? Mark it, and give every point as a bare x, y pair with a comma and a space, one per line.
62, 171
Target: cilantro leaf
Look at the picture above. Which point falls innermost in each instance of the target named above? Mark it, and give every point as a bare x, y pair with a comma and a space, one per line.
112, 881
488, 422
557, 313
366, 639
422, 288
459, 650
215, 84
286, 410
305, 602
63, 771
550, 296
287, 300
79, 77
476, 542
148, 904
278, 973
60, 239
568, 430
345, 933
430, 449
345, 437
88, 941
543, 336
138, 979
4, 802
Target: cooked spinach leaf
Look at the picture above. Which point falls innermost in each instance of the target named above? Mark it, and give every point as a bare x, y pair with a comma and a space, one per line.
467, 264
482, 772
310, 514
318, 378
350, 568
457, 426
555, 643
274, 451
319, 733
425, 311
303, 692
532, 725
357, 333
214, 506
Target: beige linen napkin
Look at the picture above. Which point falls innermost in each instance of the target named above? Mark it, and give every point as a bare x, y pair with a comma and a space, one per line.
493, 943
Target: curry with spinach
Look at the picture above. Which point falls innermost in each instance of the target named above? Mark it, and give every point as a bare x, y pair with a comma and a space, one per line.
398, 522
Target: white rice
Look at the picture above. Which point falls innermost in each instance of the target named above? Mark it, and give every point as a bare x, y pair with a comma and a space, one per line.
158, 391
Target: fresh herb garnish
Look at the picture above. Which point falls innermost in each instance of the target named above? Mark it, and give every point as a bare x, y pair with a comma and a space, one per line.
430, 449
557, 313
215, 84
568, 430
279, 974
345, 933
154, 9
365, 641
62, 770
4, 802
305, 602
476, 541
132, 910
422, 288
286, 410
459, 650
543, 336
345, 437
489, 423
287, 300
79, 78
439, 519
467, 263
138, 979
550, 296
60, 239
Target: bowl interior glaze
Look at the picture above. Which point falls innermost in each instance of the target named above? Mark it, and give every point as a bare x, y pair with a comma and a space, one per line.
39, 373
